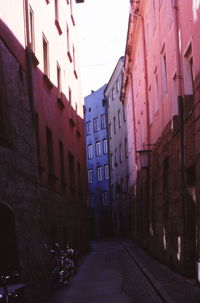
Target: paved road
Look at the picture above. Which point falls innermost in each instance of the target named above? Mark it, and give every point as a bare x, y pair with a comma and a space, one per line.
107, 275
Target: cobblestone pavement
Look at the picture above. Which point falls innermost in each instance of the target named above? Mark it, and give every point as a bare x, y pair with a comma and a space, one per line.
107, 274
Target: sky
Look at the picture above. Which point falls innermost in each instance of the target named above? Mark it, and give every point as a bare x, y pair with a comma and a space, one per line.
102, 35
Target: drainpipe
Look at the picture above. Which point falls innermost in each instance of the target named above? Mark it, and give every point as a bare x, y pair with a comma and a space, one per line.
134, 120
135, 141
180, 114
29, 60
136, 13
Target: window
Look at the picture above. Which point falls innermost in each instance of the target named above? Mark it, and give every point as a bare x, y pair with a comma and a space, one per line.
31, 29
110, 130
79, 179
116, 157
57, 10
90, 177
71, 9
170, 12
147, 36
91, 200
70, 97
90, 151
109, 100
98, 148
46, 56
120, 153
37, 137
153, 16
105, 146
126, 148
114, 125
57, 17
50, 156
68, 44
74, 63
188, 71
59, 80
118, 85
106, 172
62, 165
103, 121
164, 71
119, 118
99, 174
155, 91
124, 113
70, 103
112, 161
105, 199
95, 124
71, 166
113, 93
88, 128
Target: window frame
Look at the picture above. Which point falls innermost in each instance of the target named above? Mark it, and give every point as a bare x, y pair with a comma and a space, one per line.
95, 124
99, 173
88, 128
98, 148
106, 172
105, 146
90, 151
103, 121
90, 176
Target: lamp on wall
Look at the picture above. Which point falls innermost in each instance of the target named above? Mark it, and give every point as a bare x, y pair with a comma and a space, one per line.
144, 157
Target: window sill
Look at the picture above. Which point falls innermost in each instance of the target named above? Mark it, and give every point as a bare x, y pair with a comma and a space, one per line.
73, 21
57, 24
75, 74
47, 81
69, 56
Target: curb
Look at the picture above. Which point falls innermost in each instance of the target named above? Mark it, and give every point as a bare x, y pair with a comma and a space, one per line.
158, 287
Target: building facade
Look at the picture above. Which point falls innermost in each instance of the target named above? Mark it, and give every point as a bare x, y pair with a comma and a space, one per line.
43, 196
161, 96
118, 153
96, 138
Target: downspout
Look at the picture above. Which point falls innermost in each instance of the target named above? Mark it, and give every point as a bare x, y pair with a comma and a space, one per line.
109, 160
134, 120
136, 13
180, 114
29, 60
135, 146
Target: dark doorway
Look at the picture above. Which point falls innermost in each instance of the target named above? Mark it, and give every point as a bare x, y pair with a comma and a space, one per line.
8, 249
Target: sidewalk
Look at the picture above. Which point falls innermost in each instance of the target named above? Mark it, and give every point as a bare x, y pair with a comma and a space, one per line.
173, 287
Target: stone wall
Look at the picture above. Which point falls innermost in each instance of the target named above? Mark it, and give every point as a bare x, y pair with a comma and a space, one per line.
31, 217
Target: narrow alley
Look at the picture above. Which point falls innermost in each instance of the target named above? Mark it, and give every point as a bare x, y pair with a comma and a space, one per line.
121, 272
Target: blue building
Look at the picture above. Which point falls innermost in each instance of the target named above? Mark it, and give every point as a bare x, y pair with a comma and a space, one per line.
96, 138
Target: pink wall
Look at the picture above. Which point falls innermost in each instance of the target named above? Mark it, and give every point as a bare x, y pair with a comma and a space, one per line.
160, 40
